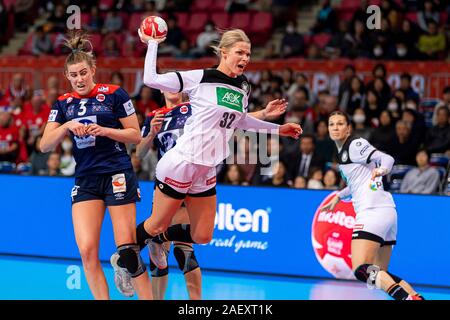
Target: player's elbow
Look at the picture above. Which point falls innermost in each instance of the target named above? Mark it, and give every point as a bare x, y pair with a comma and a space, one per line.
136, 138
43, 146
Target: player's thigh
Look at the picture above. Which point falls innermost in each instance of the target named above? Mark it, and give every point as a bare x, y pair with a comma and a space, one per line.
87, 217
364, 252
181, 217
383, 257
123, 218
164, 209
202, 212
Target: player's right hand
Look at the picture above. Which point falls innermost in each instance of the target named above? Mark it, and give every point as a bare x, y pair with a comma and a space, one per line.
330, 205
156, 123
145, 38
77, 128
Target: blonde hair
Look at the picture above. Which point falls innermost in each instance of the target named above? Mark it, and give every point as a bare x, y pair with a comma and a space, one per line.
229, 38
78, 42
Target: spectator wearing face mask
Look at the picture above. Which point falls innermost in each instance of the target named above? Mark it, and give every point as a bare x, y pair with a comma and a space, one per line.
360, 126
395, 107
205, 39
67, 160
315, 179
403, 52
53, 163
292, 44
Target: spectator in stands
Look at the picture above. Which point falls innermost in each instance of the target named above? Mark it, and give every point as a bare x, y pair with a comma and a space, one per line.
279, 177
438, 137
302, 162
3, 22
42, 44
205, 39
137, 167
174, 37
113, 22
270, 51
383, 137
146, 102
110, 47
405, 86
327, 104
331, 180
417, 123
9, 138
315, 179
445, 102
326, 20
300, 182
360, 14
409, 33
17, 89
395, 107
51, 96
134, 6
314, 52
58, 19
287, 78
333, 49
324, 145
391, 10
234, 175
401, 51
292, 44
432, 45
117, 78
301, 111
345, 84
67, 161
53, 163
95, 22
381, 41
426, 14
422, 179
360, 127
184, 52
237, 6
353, 97
382, 90
405, 148
301, 81
372, 108
355, 42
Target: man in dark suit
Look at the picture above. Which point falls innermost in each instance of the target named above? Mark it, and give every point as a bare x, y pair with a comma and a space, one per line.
301, 163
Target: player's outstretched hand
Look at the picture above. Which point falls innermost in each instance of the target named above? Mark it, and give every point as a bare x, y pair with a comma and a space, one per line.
145, 38
275, 108
77, 128
330, 205
94, 129
156, 123
291, 130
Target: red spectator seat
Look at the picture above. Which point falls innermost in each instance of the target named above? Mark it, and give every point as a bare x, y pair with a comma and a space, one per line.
135, 21
344, 14
9, 3
182, 19
85, 17
411, 16
28, 46
350, 5
376, 2
260, 27
219, 5
307, 39
106, 4
321, 39
201, 5
221, 19
197, 22
96, 41
443, 18
240, 20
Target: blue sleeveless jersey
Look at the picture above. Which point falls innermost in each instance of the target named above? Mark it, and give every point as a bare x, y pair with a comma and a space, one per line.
104, 105
171, 129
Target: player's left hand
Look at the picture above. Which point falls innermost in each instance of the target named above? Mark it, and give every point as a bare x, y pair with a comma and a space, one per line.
275, 108
94, 129
378, 172
291, 130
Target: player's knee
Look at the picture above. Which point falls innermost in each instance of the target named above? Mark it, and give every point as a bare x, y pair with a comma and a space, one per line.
130, 258
156, 229
202, 238
367, 273
157, 272
89, 254
185, 256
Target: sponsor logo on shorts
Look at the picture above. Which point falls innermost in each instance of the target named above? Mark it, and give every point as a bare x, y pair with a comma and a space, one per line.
119, 183
74, 191
119, 196
177, 184
358, 227
138, 192
211, 181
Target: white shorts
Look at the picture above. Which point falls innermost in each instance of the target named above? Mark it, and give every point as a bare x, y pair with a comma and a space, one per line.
177, 178
377, 224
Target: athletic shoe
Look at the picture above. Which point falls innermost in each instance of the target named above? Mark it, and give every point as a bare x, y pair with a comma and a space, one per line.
122, 278
158, 254
415, 297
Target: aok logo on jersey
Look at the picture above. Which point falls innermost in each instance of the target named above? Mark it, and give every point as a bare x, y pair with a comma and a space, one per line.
229, 98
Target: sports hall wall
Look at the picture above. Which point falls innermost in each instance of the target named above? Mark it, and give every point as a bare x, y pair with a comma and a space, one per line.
258, 229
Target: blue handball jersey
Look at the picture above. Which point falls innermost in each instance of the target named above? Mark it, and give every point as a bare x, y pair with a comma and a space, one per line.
104, 105
171, 129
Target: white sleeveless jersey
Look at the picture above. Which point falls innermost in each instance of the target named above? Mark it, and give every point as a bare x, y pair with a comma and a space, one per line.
218, 103
356, 169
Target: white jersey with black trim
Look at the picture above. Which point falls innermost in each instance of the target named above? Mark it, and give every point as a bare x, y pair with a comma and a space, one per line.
219, 105
356, 168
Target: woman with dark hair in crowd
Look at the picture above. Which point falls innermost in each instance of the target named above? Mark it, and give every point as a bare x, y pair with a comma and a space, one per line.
353, 98
383, 136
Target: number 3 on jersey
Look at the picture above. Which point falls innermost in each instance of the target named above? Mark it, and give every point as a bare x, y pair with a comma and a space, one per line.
227, 120
82, 110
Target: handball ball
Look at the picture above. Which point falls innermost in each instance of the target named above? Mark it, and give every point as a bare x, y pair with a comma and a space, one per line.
154, 27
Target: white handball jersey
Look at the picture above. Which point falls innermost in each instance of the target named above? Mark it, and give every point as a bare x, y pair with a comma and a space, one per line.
356, 168
219, 105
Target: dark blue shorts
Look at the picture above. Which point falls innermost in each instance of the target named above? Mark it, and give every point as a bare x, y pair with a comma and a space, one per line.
114, 189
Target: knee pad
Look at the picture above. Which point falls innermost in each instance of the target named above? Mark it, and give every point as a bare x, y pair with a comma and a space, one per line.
367, 273
130, 258
156, 272
185, 256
